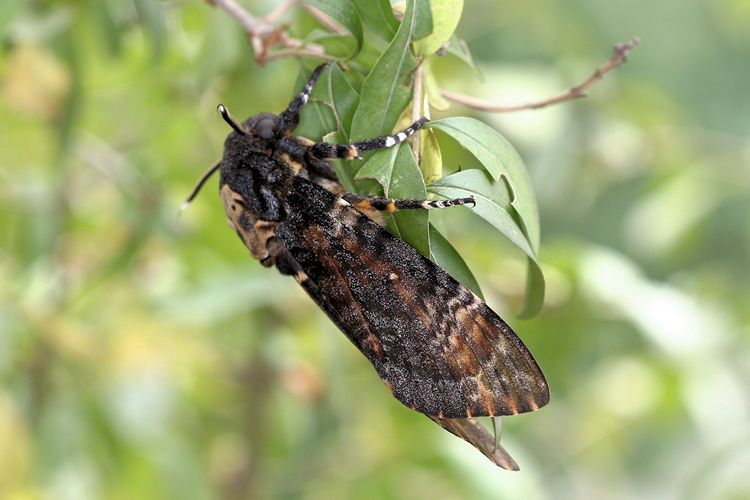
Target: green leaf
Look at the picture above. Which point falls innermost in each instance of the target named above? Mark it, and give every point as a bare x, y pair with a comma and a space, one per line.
432, 88
445, 17
378, 15
399, 175
493, 204
423, 23
365, 60
431, 162
344, 13
533, 300
330, 109
339, 46
492, 198
343, 97
499, 158
449, 259
458, 48
385, 92
316, 118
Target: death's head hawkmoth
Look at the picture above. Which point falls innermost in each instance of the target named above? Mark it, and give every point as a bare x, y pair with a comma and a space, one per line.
439, 349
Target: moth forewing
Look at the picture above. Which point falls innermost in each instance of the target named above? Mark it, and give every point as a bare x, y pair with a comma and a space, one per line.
436, 345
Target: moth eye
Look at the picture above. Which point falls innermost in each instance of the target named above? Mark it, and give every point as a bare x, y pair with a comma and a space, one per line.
264, 129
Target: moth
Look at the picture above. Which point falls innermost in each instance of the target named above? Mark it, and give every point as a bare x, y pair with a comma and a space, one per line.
437, 347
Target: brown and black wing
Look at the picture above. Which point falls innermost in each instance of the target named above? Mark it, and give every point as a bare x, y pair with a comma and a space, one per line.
435, 344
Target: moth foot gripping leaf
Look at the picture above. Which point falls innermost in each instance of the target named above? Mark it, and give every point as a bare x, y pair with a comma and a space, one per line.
439, 349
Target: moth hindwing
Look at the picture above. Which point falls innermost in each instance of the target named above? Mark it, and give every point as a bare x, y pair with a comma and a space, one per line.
437, 347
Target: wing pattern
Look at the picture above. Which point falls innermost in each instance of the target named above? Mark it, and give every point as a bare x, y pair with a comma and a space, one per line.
436, 345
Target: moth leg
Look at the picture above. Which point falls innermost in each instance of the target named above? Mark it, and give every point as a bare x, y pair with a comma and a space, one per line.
374, 203
327, 150
280, 256
299, 147
289, 119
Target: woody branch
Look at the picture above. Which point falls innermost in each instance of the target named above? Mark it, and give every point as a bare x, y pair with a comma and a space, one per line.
619, 56
264, 35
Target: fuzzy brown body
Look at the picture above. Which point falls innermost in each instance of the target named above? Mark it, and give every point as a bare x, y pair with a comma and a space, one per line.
436, 345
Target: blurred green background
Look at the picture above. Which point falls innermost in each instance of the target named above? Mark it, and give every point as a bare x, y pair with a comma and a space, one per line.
144, 355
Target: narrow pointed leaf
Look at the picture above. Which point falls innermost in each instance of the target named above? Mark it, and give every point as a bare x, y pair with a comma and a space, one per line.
344, 13
386, 90
493, 205
493, 202
378, 15
398, 173
445, 256
445, 17
499, 158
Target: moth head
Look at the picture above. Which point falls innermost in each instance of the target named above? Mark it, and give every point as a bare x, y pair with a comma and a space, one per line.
261, 125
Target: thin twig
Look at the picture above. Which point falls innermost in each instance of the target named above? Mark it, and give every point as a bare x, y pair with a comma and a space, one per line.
264, 35
278, 11
251, 24
619, 56
310, 50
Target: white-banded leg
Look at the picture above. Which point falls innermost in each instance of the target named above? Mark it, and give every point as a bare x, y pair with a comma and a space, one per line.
289, 119
327, 150
367, 203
